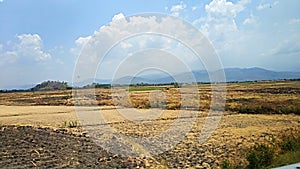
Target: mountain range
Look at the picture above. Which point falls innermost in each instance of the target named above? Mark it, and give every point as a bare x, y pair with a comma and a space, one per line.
231, 75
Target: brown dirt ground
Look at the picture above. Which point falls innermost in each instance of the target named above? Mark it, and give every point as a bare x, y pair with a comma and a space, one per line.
33, 136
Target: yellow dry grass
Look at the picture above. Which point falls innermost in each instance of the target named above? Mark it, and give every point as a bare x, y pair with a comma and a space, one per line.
48, 116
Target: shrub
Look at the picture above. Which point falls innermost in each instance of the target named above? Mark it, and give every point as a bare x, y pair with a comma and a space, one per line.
226, 165
70, 124
290, 143
260, 156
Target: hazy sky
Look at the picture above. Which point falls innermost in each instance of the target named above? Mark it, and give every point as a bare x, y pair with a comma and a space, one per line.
41, 39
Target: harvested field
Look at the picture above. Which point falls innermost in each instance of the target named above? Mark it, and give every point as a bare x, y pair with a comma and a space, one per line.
53, 137
255, 98
57, 147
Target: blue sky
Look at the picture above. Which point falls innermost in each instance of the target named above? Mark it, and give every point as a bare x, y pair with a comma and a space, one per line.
41, 40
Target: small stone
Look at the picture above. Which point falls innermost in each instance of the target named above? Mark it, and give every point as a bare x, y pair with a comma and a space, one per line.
205, 165
147, 164
198, 166
101, 159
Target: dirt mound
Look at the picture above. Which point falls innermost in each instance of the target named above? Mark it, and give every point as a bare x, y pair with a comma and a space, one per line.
27, 147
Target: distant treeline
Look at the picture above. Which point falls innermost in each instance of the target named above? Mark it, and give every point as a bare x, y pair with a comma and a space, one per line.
96, 85
57, 85
257, 81
50, 85
44, 86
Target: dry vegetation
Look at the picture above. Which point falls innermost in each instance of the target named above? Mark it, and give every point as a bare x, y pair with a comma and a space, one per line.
256, 113
253, 98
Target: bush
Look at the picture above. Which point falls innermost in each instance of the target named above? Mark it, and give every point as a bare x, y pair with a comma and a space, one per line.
253, 160
226, 165
289, 143
260, 156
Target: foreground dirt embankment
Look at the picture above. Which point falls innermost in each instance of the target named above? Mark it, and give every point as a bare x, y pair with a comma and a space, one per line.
27, 147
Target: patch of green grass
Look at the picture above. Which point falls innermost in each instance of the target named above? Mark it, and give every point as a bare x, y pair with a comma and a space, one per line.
282, 152
226, 165
290, 143
148, 88
70, 124
286, 159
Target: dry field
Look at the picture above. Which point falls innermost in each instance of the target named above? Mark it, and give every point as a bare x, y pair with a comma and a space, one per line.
42, 129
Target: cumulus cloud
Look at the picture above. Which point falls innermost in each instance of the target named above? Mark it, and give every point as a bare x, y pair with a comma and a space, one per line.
25, 61
117, 17
80, 43
219, 8
134, 34
233, 41
219, 22
30, 46
227, 27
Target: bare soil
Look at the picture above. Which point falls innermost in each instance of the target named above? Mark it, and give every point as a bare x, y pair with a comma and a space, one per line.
31, 147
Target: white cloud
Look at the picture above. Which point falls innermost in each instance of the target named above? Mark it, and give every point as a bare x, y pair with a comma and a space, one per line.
26, 62
236, 44
178, 7
267, 5
218, 8
219, 22
176, 14
31, 46
80, 43
250, 20
117, 17
130, 35
194, 8
284, 47
294, 21
175, 9
126, 45
8, 57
